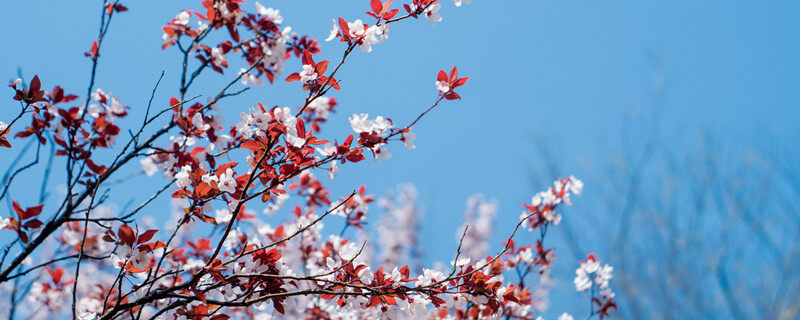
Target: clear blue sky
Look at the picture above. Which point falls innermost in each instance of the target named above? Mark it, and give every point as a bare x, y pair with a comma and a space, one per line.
567, 70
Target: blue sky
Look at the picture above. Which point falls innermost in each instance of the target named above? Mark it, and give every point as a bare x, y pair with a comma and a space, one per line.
568, 71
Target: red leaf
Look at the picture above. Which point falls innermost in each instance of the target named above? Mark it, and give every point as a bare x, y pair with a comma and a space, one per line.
301, 128
307, 59
293, 77
442, 76
345, 29
23, 134
35, 210
460, 82
453, 75
33, 224
203, 189
35, 84
17, 208
391, 14
27, 213
452, 96
56, 274
373, 301
386, 7
127, 235
252, 145
404, 271
146, 236
322, 67
376, 6
94, 167
278, 306
199, 295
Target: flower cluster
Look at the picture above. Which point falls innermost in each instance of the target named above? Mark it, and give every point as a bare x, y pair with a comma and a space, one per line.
224, 251
543, 204
593, 276
257, 36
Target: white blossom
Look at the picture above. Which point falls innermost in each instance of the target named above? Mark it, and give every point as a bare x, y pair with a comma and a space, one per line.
222, 216
326, 149
182, 19
361, 123
217, 56
408, 140
227, 181
183, 178
590, 272
248, 78
148, 166
271, 13
308, 73
432, 13
429, 276
442, 86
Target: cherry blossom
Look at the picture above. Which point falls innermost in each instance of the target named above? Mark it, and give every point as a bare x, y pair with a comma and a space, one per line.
270, 13
248, 230
432, 13
593, 276
592, 273
182, 18
360, 123
408, 140
183, 177
227, 181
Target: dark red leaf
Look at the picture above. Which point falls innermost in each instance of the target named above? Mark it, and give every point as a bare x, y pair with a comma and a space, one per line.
452, 96
33, 224
35, 210
127, 235
146, 236
35, 84
17, 208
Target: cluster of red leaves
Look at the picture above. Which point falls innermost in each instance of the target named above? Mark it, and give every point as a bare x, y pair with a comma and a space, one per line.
452, 81
273, 162
318, 81
229, 14
418, 6
538, 212
76, 136
26, 220
380, 10
138, 246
